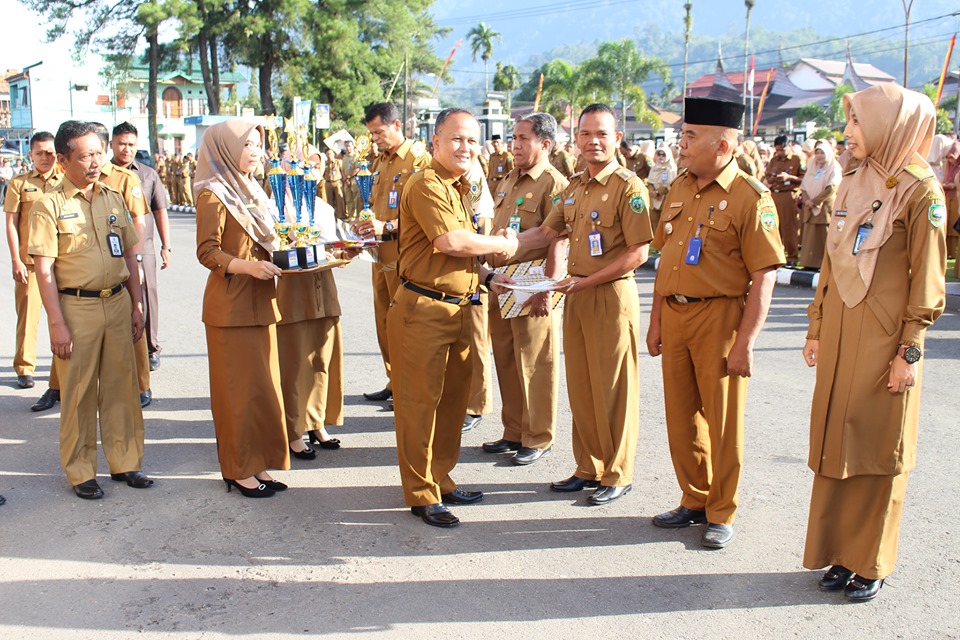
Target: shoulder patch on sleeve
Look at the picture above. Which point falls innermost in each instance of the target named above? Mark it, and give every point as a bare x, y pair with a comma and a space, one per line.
636, 199
625, 174
918, 172
937, 213
758, 186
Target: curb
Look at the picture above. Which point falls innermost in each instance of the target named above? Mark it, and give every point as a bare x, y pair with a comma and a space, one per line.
785, 277
953, 296
181, 208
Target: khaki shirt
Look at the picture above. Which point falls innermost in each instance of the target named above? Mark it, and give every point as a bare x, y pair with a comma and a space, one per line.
22, 192
789, 163
498, 166
392, 171
563, 162
128, 184
638, 164
530, 195
621, 205
333, 174
64, 226
737, 221
434, 203
350, 164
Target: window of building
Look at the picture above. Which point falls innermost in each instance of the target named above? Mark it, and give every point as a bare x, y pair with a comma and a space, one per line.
178, 147
24, 97
172, 103
190, 106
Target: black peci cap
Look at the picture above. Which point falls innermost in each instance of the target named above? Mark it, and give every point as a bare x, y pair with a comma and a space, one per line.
495, 136
712, 112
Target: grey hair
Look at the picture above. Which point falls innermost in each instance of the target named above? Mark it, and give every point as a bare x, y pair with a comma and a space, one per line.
544, 126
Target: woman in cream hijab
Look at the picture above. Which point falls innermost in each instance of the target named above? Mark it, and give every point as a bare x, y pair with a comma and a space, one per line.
235, 241
662, 172
881, 286
818, 188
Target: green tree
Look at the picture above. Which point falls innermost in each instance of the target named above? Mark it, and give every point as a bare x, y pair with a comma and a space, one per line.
506, 79
566, 87
620, 69
813, 113
944, 123
481, 41
838, 116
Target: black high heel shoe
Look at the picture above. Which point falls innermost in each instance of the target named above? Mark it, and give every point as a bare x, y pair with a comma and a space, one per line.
306, 454
332, 443
262, 491
273, 484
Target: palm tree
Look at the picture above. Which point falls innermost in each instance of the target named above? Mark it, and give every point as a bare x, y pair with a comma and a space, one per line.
621, 69
565, 87
481, 41
506, 79
687, 29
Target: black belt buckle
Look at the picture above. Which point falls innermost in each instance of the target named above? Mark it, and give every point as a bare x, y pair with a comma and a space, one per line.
435, 295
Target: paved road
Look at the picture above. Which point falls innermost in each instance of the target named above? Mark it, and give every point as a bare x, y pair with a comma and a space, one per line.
338, 554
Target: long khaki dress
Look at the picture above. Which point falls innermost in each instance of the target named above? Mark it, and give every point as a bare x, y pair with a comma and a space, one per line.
816, 216
311, 352
240, 314
863, 439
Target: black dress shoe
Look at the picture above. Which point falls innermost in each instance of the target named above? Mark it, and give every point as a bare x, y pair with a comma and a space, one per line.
606, 495
679, 518
859, 589
135, 479
154, 361
146, 398
261, 491
314, 437
469, 422
3, 500
25, 382
462, 496
716, 536
835, 579
529, 455
88, 490
273, 484
573, 483
436, 515
49, 398
500, 446
306, 454
379, 396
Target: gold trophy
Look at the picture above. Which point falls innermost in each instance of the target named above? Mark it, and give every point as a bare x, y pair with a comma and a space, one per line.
306, 253
285, 257
364, 178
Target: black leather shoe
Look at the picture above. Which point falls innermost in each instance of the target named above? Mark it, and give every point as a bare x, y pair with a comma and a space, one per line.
306, 454
154, 361
462, 496
436, 515
379, 396
860, 589
135, 479
314, 436
469, 422
501, 446
273, 484
146, 398
529, 455
573, 483
679, 518
88, 490
835, 579
49, 398
716, 536
606, 495
25, 382
3, 500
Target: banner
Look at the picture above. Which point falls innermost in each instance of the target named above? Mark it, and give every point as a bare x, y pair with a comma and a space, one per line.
323, 116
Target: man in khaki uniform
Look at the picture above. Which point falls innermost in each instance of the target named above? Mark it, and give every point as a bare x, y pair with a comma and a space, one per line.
783, 176
605, 214
22, 192
350, 163
399, 159
719, 254
189, 170
428, 323
333, 175
83, 243
636, 160
499, 163
526, 349
562, 161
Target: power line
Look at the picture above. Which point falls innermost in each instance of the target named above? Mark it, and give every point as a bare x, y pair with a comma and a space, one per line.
529, 12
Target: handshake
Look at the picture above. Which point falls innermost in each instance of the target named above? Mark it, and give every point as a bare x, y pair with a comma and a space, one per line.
511, 243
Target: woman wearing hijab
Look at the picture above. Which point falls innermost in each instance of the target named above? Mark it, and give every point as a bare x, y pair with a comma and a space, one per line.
235, 241
818, 188
950, 181
881, 286
751, 151
662, 173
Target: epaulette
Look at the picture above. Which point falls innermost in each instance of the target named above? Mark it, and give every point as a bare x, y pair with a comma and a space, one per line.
919, 172
418, 149
576, 175
852, 171
429, 173
625, 174
758, 186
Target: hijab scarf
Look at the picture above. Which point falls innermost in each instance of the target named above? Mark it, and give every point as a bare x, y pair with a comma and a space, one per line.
817, 179
896, 130
951, 163
218, 171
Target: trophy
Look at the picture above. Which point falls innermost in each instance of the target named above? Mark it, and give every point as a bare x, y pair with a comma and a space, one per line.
285, 257
364, 177
310, 195
306, 255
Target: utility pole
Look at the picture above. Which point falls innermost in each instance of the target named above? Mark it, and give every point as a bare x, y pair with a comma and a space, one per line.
687, 28
406, 83
907, 6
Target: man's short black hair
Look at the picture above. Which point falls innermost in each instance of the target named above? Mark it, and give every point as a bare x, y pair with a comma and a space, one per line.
597, 107
70, 131
386, 111
446, 113
780, 141
124, 128
102, 132
40, 136
544, 126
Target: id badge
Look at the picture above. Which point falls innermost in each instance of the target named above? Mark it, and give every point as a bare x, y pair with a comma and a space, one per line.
693, 250
596, 248
863, 231
515, 223
393, 200
116, 247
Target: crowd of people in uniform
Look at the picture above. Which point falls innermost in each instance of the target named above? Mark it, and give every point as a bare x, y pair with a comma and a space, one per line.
453, 230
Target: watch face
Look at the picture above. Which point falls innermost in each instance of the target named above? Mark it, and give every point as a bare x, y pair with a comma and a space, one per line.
389, 227
912, 354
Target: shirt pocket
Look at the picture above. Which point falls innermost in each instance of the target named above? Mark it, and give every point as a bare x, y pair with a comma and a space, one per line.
718, 233
73, 233
530, 216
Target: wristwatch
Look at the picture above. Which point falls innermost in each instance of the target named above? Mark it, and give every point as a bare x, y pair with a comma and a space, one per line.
389, 227
488, 279
910, 353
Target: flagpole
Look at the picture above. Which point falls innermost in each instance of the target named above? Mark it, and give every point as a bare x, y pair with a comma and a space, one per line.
946, 67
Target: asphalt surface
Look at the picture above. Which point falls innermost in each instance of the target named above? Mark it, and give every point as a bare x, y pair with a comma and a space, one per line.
339, 555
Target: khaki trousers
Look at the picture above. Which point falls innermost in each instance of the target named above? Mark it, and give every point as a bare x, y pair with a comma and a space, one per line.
311, 374
151, 299
704, 406
526, 354
789, 221
430, 355
27, 300
98, 383
480, 400
601, 339
385, 284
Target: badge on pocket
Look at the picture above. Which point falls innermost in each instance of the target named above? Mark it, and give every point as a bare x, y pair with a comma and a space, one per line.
693, 250
116, 247
393, 199
596, 247
863, 232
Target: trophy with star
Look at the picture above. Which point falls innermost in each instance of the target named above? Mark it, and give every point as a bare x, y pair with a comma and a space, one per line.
285, 257
364, 178
305, 252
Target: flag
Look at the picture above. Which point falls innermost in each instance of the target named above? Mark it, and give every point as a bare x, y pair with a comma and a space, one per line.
750, 77
444, 67
946, 65
763, 99
536, 103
